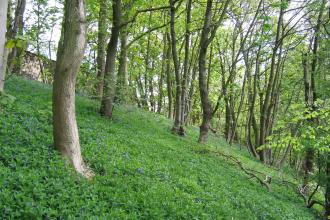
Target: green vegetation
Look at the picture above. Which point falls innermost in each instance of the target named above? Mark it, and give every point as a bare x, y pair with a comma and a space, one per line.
142, 170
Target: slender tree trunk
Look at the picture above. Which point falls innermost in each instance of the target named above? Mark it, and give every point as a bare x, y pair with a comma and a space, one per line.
177, 126
3, 50
109, 87
101, 46
17, 29
161, 80
266, 106
168, 78
69, 56
151, 89
144, 103
184, 83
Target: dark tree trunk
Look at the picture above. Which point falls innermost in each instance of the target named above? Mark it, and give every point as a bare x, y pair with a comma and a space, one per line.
69, 56
205, 41
206, 104
109, 87
177, 126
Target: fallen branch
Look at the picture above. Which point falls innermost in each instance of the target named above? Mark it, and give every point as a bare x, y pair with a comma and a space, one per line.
309, 202
247, 171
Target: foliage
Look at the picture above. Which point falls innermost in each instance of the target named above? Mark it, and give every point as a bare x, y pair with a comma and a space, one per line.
143, 171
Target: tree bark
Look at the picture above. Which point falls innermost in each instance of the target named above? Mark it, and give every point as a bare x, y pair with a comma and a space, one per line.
122, 84
3, 50
109, 87
17, 29
206, 104
168, 78
184, 83
69, 56
204, 43
101, 46
177, 126
161, 80
266, 106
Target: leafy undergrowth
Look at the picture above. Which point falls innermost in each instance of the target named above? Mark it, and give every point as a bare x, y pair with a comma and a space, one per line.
143, 171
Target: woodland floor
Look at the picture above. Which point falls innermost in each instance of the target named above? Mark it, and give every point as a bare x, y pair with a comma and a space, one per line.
142, 170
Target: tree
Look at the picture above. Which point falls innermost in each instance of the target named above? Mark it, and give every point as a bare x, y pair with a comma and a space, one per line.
69, 56
15, 32
109, 85
101, 38
178, 125
3, 50
208, 34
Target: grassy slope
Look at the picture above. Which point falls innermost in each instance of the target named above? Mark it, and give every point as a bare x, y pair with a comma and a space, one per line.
144, 172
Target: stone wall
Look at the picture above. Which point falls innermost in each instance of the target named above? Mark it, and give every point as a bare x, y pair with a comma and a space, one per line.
35, 68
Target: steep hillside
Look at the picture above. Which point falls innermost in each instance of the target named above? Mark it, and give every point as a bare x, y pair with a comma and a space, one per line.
143, 171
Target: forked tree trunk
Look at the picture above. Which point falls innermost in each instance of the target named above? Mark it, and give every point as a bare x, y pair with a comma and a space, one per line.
109, 87
3, 50
208, 34
69, 56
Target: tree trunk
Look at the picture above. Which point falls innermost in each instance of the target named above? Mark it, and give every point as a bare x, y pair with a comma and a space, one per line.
122, 84
161, 80
184, 83
109, 87
177, 126
168, 78
101, 42
204, 43
151, 89
206, 104
17, 29
327, 188
3, 50
310, 89
69, 56
267, 105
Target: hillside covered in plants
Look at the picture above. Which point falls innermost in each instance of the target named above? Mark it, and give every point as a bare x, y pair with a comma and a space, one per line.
175, 109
